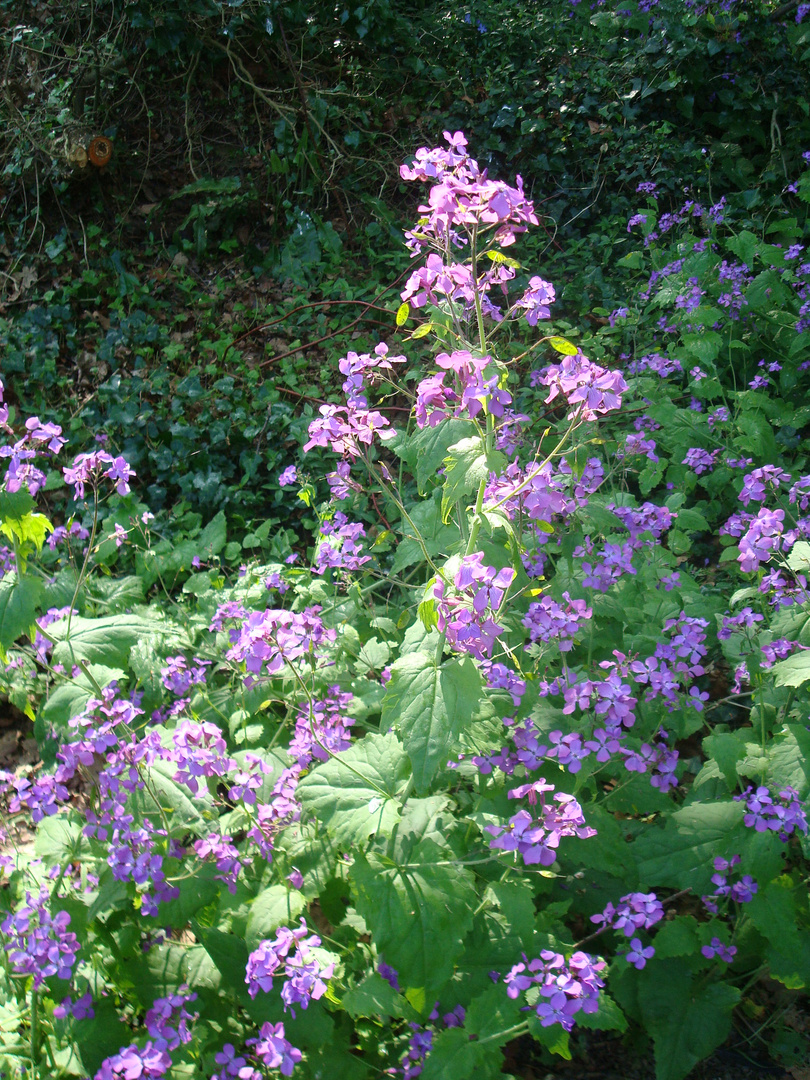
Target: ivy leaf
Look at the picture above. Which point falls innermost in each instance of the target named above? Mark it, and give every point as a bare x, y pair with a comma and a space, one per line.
687, 1019
466, 465
430, 705
418, 913
357, 793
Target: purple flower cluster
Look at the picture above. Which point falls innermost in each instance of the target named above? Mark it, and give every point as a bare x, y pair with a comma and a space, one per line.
90, 469
178, 677
759, 482
289, 955
321, 728
762, 537
635, 911
135, 1063
40, 440
589, 389
726, 953
465, 615
783, 815
701, 461
546, 620
270, 639
566, 986
342, 550
37, 942
536, 834
740, 891
167, 1021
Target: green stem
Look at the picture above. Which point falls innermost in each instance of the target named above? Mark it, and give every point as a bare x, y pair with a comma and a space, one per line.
34, 1031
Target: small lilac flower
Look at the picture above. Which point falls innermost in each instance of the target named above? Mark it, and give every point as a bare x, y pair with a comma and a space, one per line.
717, 948
288, 477
637, 955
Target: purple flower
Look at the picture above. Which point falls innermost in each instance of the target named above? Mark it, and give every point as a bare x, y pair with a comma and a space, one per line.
289, 476
637, 955
782, 815
273, 1050
717, 948
39, 943
134, 1063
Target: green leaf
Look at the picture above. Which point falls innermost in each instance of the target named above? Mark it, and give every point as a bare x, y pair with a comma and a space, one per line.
403, 311
356, 794
19, 522
229, 953
453, 1055
608, 1017
465, 466
165, 968
418, 913
183, 810
212, 539
19, 602
562, 345
726, 749
789, 759
430, 705
374, 996
703, 347
437, 537
116, 594
677, 937
68, 700
105, 641
686, 1018
275, 907
772, 910
424, 451
680, 854
794, 671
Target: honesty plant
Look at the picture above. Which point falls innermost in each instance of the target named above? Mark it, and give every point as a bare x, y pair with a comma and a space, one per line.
455, 735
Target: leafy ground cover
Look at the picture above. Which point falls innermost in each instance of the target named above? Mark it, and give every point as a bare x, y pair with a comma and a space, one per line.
437, 706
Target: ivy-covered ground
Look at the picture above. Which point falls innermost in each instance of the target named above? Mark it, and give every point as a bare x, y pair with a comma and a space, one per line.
405, 532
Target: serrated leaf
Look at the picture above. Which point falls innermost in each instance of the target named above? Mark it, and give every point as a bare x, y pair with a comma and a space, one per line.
357, 793
794, 671
105, 641
466, 465
430, 705
453, 1055
426, 449
563, 345
686, 1019
19, 520
680, 854
19, 603
272, 908
374, 996
789, 759
229, 953
418, 913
